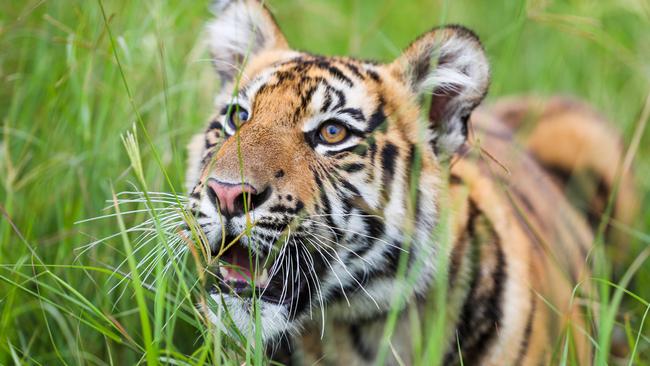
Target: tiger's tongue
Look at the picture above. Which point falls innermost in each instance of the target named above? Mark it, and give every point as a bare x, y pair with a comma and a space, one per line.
238, 267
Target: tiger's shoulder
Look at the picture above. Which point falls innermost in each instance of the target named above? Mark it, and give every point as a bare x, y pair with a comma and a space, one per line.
524, 244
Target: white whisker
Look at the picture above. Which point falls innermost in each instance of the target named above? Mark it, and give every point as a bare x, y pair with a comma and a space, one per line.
357, 233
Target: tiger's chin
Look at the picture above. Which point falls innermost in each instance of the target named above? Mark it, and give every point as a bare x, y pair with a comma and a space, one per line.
231, 310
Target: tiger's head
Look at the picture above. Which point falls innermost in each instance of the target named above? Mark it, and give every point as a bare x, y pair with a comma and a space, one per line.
317, 174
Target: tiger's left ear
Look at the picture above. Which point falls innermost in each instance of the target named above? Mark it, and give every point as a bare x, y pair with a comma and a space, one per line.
450, 65
242, 28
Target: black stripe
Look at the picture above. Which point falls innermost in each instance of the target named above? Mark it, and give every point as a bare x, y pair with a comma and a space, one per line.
355, 113
299, 206
481, 314
377, 118
358, 344
215, 125
578, 185
352, 167
301, 64
456, 260
215, 134
340, 101
374, 230
350, 187
375, 226
372, 147
413, 169
328, 101
373, 75
389, 154
393, 253
327, 209
373, 153
279, 208
306, 98
353, 148
454, 179
336, 293
342, 155
598, 204
353, 68
346, 208
335, 71
281, 351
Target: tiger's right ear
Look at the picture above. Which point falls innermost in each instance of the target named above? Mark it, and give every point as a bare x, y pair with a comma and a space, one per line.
242, 29
449, 65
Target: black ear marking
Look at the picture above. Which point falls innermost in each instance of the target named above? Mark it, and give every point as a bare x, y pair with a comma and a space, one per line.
464, 119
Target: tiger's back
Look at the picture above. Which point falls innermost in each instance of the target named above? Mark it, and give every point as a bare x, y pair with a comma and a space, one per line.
546, 239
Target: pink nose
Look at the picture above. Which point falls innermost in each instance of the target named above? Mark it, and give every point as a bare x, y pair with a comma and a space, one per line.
230, 196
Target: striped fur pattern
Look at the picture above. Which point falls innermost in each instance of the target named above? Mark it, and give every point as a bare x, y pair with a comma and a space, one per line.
327, 223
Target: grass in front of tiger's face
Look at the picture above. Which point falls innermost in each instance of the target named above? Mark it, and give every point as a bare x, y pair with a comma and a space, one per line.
64, 107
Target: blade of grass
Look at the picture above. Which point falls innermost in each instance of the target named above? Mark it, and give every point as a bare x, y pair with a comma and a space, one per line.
150, 350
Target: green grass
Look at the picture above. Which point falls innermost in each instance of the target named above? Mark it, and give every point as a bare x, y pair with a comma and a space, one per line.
66, 102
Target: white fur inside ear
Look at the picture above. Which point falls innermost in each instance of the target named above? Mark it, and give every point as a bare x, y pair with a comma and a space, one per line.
242, 28
194, 154
458, 66
449, 64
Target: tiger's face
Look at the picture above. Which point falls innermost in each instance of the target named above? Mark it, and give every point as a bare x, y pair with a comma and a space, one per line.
317, 174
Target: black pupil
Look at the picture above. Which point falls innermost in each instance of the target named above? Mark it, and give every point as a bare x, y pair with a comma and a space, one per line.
333, 130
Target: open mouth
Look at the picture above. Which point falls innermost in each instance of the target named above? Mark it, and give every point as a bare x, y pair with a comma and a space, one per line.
245, 273
240, 267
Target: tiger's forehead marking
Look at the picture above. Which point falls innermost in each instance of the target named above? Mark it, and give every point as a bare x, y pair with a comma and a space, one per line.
290, 90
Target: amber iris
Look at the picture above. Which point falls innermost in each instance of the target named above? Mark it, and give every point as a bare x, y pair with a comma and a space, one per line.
333, 132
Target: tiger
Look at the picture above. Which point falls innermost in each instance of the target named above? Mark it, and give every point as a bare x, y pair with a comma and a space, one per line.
338, 193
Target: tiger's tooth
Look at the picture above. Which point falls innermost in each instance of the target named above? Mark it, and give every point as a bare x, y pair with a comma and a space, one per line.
263, 279
224, 272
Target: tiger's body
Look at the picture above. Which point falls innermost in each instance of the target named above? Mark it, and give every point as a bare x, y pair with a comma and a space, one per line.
351, 185
517, 244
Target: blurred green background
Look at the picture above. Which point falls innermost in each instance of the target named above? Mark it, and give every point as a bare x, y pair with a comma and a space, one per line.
64, 108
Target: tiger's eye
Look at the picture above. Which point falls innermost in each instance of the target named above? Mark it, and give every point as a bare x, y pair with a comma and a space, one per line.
237, 116
333, 133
